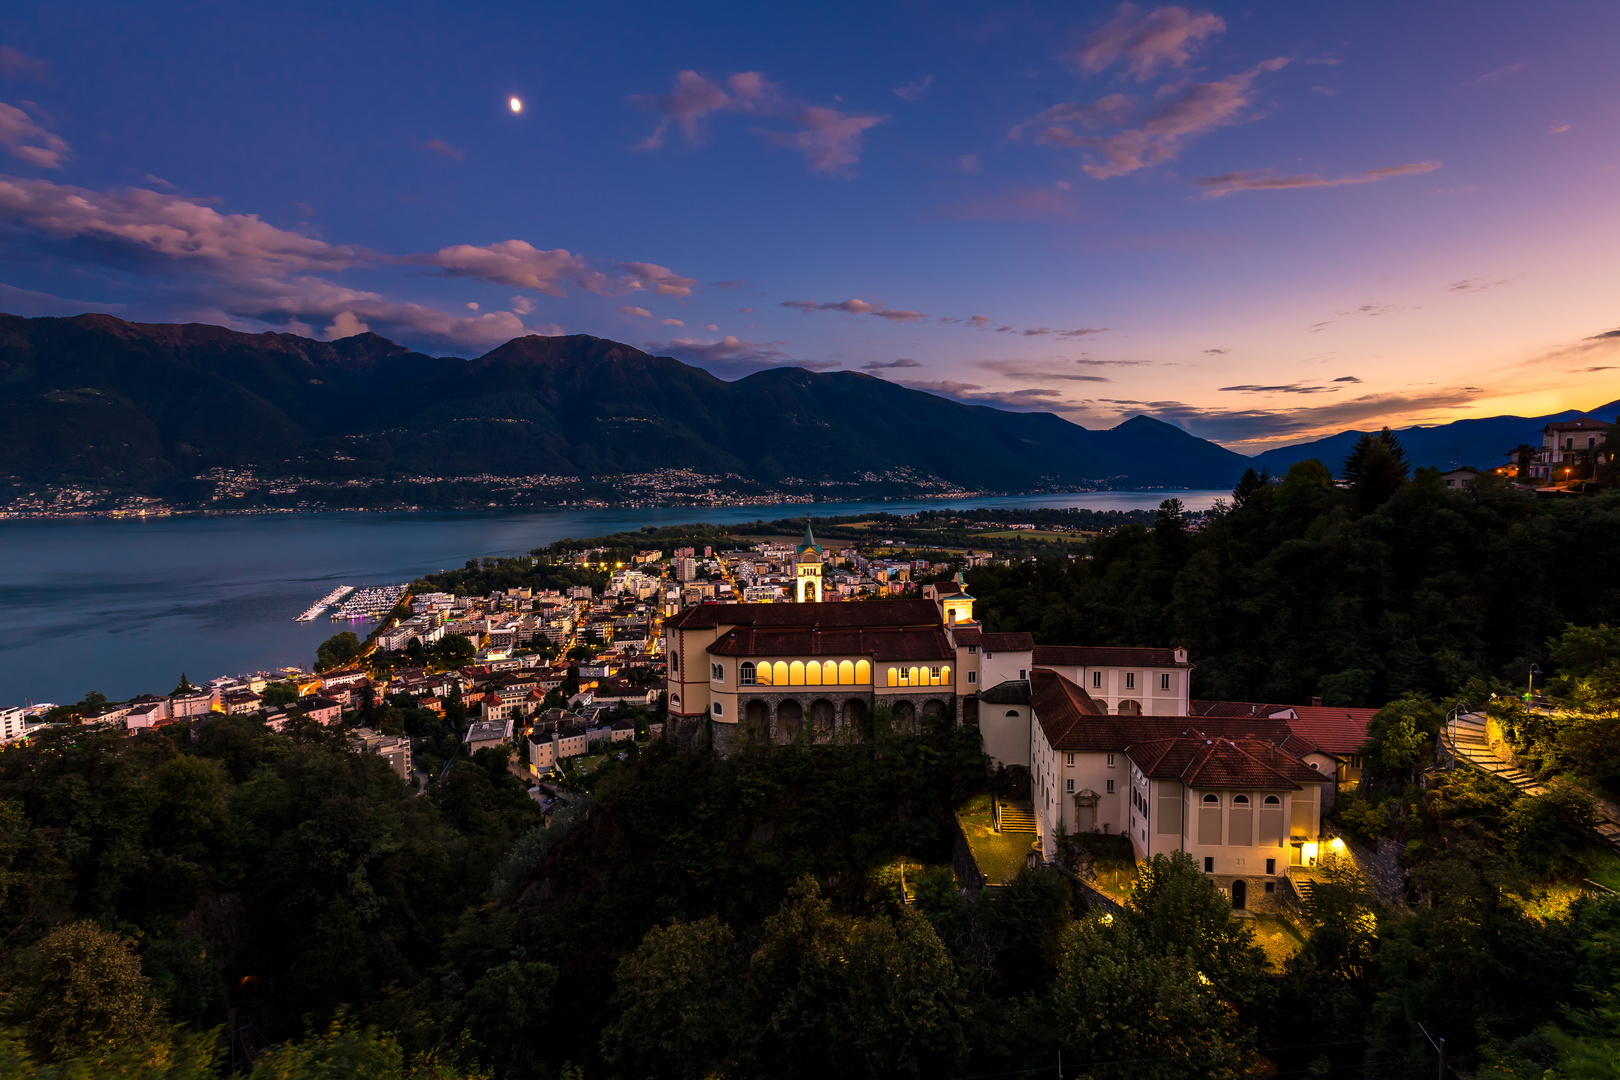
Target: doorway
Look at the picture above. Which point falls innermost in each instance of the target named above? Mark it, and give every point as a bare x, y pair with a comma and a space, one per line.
1240, 894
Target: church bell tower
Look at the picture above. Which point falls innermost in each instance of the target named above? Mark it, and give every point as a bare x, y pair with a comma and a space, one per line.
807, 568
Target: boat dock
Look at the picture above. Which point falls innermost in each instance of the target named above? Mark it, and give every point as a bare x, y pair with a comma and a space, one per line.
370, 602
325, 602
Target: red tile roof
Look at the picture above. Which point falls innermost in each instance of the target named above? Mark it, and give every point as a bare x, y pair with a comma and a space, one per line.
1234, 708
1338, 731
1104, 656
994, 643
864, 613
880, 643
1200, 760
967, 635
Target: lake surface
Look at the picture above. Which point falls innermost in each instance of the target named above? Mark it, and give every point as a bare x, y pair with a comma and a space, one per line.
124, 607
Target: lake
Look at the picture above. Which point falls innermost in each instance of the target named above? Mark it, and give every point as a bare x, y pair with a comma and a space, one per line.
124, 607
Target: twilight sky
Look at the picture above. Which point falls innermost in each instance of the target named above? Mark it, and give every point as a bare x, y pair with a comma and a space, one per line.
1262, 222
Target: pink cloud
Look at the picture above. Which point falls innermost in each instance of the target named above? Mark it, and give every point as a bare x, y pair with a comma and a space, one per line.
1151, 135
662, 280
637, 312
829, 139
444, 149
518, 263
857, 307
1268, 180
16, 64
28, 141
1164, 37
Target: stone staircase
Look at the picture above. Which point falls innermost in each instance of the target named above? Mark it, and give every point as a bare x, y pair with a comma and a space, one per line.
1015, 818
1467, 739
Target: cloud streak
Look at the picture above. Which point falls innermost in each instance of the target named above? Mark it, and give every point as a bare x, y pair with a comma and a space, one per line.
1123, 135
1162, 38
830, 139
857, 307
1253, 428
1268, 180
30, 142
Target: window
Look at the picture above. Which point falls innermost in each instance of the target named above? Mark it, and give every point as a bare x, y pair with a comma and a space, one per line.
674, 661
1068, 759
846, 673
1022, 674
1209, 864
796, 673
1164, 682
863, 672
717, 672
972, 649
973, 676
779, 673
718, 711
745, 673
1071, 787
933, 676
1012, 712
1130, 680
1096, 680
1110, 787
1110, 761
1271, 886
1271, 868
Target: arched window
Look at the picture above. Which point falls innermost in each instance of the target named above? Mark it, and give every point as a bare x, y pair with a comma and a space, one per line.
829, 673
812, 674
1272, 800
1212, 800
674, 661
945, 675
894, 676
846, 673
863, 672
1012, 712
764, 674
779, 673
796, 673
913, 674
1240, 800
745, 673
717, 709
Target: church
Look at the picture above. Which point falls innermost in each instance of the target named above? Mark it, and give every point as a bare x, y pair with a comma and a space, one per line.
1106, 738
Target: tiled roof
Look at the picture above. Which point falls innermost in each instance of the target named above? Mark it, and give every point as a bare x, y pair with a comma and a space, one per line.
1338, 731
1104, 656
880, 643
1011, 692
864, 613
1253, 751
994, 643
967, 635
1234, 708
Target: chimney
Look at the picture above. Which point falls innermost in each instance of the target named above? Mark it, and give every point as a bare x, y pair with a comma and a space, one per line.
1316, 702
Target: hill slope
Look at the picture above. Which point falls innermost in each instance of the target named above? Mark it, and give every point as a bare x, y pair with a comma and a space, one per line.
1482, 442
140, 407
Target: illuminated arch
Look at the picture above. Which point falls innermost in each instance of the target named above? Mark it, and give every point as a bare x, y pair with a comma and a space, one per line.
796, 673
894, 676
945, 675
812, 673
846, 673
829, 673
764, 674
779, 672
863, 673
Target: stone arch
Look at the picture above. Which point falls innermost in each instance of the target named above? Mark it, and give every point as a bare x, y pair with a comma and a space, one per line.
1129, 707
756, 720
933, 708
822, 720
904, 717
789, 720
855, 718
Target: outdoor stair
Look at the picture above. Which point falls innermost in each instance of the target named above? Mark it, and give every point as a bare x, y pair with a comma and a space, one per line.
1467, 740
1016, 819
1303, 887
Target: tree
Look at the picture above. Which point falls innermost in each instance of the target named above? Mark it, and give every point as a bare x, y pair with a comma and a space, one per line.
452, 651
1401, 734
677, 1005
337, 650
503, 1013
91, 994
183, 687
279, 693
1248, 485
1376, 469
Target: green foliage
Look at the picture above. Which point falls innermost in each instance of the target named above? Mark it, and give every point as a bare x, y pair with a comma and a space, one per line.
168, 1054
337, 650
279, 693
1362, 818
678, 1005
1552, 832
1401, 736
1581, 651
346, 1052
89, 994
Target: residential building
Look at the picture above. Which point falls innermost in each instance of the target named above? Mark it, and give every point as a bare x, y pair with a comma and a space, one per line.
395, 749
1569, 450
486, 733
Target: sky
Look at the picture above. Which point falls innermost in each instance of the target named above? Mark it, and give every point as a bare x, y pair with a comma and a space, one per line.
1263, 223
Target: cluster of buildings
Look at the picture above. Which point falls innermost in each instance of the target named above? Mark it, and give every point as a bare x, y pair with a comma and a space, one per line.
1100, 739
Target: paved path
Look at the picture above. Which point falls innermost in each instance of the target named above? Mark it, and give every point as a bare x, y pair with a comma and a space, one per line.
1467, 739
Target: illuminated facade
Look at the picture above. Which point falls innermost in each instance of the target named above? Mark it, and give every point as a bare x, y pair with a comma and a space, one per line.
807, 570
812, 671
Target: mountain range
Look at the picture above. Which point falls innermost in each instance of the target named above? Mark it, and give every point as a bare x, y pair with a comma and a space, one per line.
138, 407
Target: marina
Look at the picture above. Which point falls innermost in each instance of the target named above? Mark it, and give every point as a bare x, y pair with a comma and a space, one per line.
370, 603
325, 602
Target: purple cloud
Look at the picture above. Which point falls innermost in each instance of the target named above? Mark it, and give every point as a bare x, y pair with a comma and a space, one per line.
1164, 37
29, 141
1268, 180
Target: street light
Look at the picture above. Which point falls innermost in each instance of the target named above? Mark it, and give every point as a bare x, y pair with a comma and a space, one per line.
1535, 669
